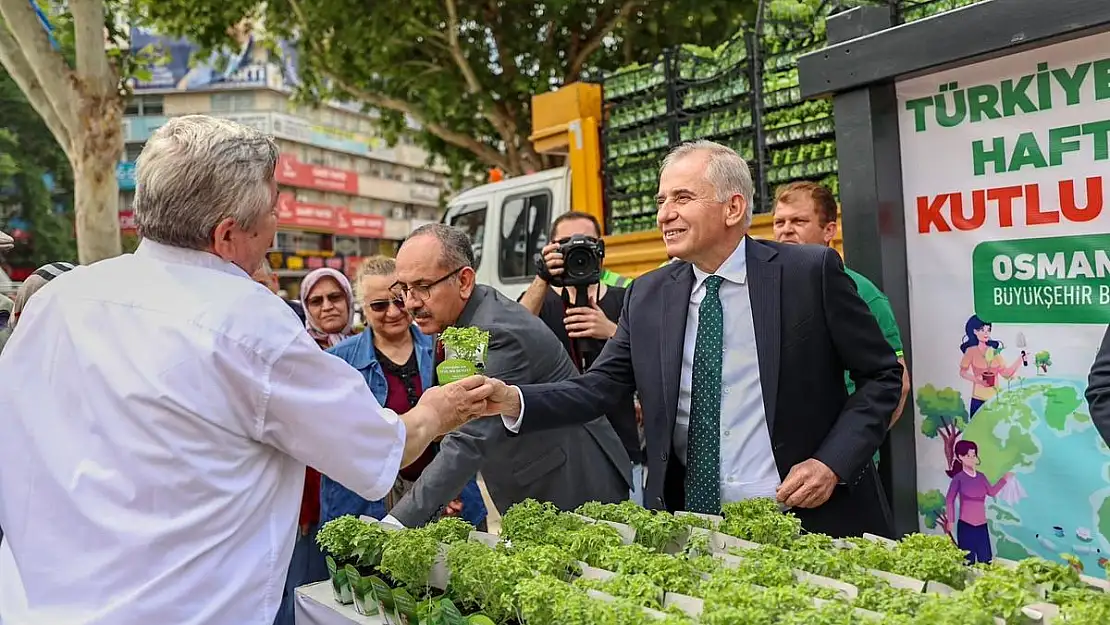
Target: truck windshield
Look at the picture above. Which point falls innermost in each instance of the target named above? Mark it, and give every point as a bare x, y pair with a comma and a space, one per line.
471, 218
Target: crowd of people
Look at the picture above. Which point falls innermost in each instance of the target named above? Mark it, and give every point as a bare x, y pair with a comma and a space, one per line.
180, 432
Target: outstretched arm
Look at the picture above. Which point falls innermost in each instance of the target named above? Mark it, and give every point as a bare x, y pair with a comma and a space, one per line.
575, 401
1098, 389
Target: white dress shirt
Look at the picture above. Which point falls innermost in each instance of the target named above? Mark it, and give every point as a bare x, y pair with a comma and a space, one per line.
157, 415
747, 462
748, 466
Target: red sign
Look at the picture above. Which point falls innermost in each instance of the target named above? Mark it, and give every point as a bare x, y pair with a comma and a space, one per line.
334, 219
304, 215
292, 172
361, 225
127, 221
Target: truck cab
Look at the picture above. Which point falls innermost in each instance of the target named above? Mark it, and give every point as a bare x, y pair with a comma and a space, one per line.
511, 220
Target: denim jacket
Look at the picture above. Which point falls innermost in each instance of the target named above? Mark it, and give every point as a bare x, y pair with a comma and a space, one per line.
358, 351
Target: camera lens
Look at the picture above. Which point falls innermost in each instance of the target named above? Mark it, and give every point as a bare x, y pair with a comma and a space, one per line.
578, 262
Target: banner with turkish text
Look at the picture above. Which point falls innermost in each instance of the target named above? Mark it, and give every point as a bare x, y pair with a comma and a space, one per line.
1006, 173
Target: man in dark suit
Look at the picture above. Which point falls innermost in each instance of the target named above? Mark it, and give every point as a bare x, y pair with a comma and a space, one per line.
1098, 389
568, 466
738, 353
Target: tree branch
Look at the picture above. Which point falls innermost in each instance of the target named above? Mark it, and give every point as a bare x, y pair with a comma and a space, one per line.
485, 153
472, 84
92, 59
594, 38
11, 57
46, 64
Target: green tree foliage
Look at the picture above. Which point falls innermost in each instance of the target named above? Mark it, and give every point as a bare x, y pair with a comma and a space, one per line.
464, 71
931, 506
943, 414
27, 152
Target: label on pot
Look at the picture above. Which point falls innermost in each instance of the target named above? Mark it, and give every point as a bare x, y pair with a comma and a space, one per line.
464, 352
405, 607
340, 585
361, 592
383, 595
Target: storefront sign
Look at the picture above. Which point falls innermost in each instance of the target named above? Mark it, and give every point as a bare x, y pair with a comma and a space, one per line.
332, 219
127, 221
360, 225
125, 176
1006, 181
292, 213
292, 172
291, 261
330, 138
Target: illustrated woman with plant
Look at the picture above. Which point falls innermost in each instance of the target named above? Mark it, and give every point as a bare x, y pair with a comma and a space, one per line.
971, 488
982, 363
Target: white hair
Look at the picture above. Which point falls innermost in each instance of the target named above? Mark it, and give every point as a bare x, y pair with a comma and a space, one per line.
727, 171
196, 171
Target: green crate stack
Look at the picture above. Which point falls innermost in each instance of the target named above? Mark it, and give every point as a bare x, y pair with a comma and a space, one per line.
713, 95
636, 136
798, 136
913, 10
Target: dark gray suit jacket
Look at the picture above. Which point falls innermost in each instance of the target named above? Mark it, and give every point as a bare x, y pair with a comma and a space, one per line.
1098, 389
810, 326
567, 466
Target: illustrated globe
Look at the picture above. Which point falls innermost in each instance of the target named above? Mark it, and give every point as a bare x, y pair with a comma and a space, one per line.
1040, 429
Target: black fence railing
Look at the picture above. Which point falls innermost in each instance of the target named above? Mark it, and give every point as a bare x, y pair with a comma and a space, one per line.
743, 94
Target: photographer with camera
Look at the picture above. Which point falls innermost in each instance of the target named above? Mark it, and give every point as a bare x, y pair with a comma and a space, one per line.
575, 296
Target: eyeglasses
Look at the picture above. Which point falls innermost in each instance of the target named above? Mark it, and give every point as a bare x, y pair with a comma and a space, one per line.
420, 291
382, 305
318, 300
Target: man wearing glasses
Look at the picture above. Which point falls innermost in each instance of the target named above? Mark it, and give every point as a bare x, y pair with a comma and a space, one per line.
567, 466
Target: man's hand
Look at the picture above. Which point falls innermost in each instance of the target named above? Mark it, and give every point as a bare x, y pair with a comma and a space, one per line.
454, 508
443, 409
503, 401
457, 403
553, 258
808, 485
589, 322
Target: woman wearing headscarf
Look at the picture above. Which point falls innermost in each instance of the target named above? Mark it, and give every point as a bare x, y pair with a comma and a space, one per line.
329, 316
38, 279
398, 364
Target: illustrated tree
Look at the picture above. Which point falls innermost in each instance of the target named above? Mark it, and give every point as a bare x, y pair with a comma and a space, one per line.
67, 59
31, 152
943, 414
1043, 360
931, 506
464, 72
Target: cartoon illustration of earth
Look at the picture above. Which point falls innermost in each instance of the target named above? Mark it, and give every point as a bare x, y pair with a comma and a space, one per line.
1040, 429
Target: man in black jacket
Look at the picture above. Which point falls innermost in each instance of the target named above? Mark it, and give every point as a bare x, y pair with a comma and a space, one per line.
738, 353
1098, 389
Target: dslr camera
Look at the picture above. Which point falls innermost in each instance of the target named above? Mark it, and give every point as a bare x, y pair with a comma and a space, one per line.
582, 257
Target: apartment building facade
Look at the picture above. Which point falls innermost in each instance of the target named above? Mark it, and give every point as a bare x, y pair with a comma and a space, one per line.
344, 194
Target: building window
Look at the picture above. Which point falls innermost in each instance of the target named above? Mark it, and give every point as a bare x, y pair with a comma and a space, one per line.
144, 105
233, 102
524, 225
472, 220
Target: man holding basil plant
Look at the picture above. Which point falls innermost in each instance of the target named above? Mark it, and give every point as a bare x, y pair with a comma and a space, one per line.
567, 466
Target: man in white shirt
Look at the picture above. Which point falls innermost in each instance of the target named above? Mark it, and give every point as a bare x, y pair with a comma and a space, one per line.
160, 409
738, 352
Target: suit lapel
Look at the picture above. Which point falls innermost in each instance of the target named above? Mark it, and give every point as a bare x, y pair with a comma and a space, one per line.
675, 303
765, 291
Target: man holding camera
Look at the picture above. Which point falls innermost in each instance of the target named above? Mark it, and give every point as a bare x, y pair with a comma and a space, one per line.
572, 297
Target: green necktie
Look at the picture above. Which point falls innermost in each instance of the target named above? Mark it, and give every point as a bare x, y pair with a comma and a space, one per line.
703, 449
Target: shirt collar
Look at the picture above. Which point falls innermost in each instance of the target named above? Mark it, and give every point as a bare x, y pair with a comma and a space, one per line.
734, 269
184, 256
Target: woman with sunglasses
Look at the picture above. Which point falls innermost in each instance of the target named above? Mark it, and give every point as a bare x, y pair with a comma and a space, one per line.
397, 362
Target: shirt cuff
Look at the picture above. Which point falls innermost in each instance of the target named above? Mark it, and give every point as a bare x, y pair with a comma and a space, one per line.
389, 520
511, 424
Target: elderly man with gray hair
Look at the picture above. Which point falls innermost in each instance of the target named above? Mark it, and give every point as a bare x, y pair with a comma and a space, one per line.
738, 352
151, 464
